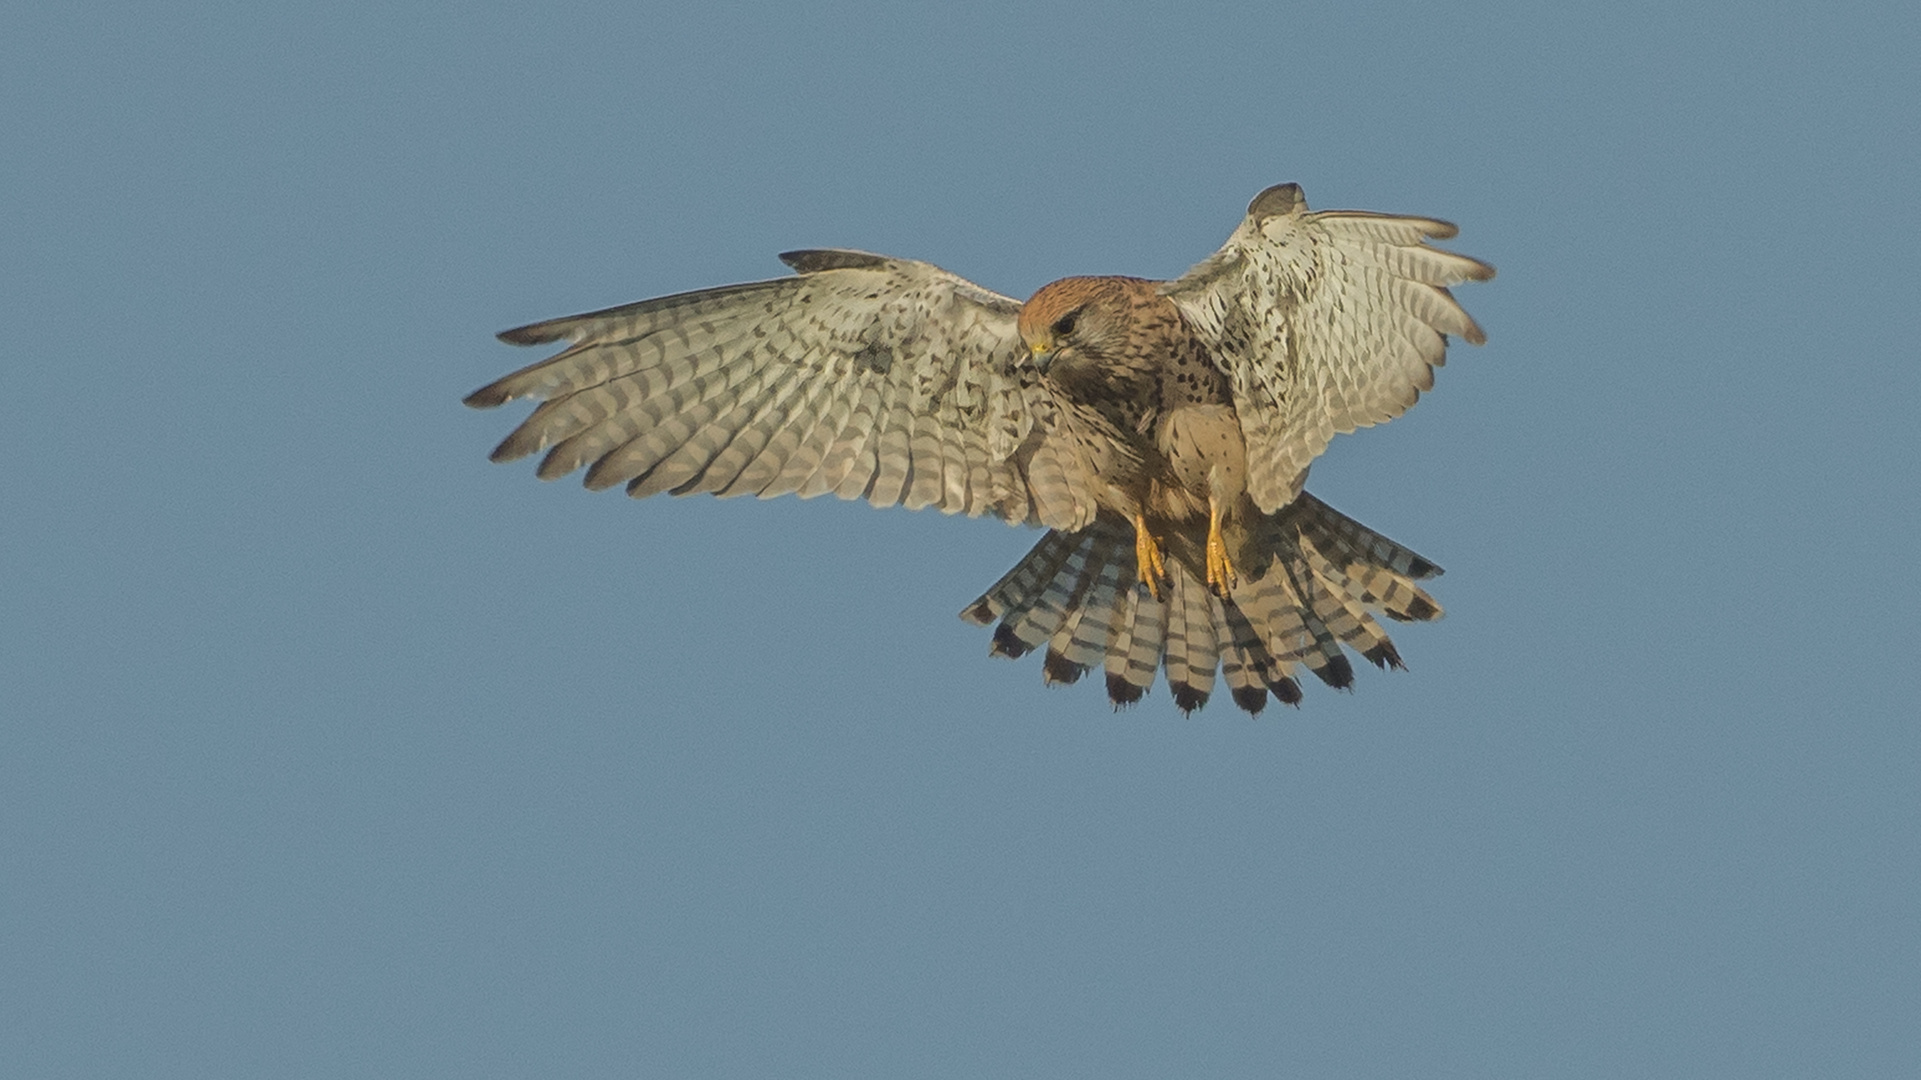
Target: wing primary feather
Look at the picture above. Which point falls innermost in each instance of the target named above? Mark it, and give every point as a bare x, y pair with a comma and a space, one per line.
801, 416
848, 444
1393, 228
893, 450
798, 473
718, 452
755, 427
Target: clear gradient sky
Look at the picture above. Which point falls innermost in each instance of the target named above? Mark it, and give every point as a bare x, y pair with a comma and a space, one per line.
331, 749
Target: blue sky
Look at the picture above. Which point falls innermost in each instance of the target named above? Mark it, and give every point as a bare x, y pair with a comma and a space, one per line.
334, 750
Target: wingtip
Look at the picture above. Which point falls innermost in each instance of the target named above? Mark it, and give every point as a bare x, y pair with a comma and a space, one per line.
539, 333
508, 450
814, 260
1277, 200
486, 397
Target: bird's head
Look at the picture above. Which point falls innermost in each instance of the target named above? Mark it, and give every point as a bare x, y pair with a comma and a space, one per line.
1097, 333
1070, 319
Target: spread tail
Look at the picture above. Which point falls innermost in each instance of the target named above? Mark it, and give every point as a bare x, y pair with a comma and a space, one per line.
1311, 579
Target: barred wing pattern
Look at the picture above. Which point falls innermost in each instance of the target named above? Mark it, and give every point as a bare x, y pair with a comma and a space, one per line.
1324, 322
872, 378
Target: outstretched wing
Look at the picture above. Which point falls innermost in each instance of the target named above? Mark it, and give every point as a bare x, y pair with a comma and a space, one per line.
872, 378
1323, 322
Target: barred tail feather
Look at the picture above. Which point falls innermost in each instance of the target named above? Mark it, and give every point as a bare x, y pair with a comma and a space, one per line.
1132, 657
1312, 581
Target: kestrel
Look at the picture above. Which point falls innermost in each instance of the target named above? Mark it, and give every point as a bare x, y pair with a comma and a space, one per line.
1159, 430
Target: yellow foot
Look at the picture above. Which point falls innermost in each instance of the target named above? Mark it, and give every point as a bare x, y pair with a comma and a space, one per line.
1147, 558
1220, 570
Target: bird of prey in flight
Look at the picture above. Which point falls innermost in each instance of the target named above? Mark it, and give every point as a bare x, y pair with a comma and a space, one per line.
1159, 430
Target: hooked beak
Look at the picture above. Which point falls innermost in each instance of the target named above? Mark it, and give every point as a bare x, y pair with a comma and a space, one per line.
1042, 354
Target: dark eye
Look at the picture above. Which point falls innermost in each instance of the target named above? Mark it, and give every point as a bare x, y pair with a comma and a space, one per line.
1064, 325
